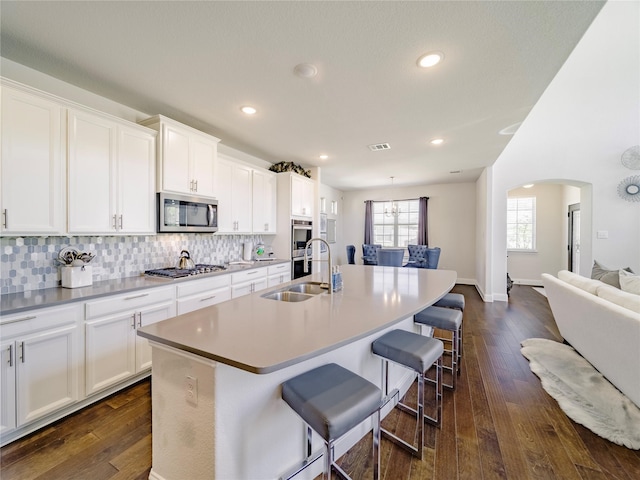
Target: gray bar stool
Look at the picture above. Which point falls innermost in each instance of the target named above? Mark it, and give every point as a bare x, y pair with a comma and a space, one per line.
332, 400
454, 300
451, 300
447, 319
419, 353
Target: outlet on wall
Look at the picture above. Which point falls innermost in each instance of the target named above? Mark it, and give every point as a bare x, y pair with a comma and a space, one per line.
191, 390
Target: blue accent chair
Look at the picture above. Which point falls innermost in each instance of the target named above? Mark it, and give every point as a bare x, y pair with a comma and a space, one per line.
421, 256
370, 253
351, 254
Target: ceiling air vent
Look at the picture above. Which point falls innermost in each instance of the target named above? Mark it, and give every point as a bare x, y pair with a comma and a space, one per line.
379, 146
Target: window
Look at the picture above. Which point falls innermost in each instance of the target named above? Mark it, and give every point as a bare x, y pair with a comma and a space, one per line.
395, 230
521, 223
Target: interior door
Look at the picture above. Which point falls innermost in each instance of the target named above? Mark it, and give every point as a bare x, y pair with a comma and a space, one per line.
574, 238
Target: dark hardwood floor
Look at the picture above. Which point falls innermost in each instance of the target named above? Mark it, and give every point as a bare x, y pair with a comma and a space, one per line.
498, 424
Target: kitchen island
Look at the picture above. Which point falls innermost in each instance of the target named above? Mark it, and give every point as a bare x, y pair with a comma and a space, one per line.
217, 372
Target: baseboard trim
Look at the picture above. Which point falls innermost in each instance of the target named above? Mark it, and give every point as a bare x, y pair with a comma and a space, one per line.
528, 281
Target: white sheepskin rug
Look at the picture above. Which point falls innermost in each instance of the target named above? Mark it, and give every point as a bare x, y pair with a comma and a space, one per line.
583, 393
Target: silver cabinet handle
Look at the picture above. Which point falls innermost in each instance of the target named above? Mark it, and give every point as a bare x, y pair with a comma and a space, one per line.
133, 320
252, 273
208, 298
121, 223
30, 317
5, 221
115, 225
10, 349
137, 296
139, 319
196, 185
22, 355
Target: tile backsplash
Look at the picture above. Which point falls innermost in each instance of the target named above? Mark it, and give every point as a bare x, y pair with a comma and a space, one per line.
30, 263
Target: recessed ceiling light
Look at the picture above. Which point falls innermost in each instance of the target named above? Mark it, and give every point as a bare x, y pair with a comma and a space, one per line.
248, 110
430, 59
437, 141
529, 185
305, 70
324, 157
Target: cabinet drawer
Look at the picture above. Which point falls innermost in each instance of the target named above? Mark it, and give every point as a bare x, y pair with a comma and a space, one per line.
248, 275
203, 285
248, 287
129, 301
196, 302
280, 268
40, 319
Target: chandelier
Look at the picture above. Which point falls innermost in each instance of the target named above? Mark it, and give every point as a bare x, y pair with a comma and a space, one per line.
394, 211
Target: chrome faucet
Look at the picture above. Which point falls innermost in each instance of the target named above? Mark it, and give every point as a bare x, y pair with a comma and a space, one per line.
306, 259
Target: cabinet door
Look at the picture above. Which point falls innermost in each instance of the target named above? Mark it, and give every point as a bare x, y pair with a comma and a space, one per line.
92, 157
47, 373
203, 159
302, 194
32, 164
264, 202
146, 317
109, 350
136, 177
223, 179
7, 387
176, 176
241, 202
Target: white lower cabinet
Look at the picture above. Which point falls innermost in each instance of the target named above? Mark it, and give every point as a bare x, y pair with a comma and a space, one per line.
244, 283
113, 351
41, 357
198, 294
277, 274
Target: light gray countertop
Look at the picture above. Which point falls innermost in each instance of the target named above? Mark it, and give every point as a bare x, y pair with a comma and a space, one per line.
262, 335
50, 297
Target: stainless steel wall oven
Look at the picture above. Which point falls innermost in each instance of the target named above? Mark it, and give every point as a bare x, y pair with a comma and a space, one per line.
301, 233
297, 267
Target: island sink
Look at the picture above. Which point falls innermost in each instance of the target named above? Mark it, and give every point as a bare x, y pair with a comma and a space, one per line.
312, 288
298, 292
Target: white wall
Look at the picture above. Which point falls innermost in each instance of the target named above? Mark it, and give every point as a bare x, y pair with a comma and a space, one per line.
452, 222
575, 134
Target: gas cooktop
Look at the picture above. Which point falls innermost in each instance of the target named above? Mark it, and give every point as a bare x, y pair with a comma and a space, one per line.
173, 272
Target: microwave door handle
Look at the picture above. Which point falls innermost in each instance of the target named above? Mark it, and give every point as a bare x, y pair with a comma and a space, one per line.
210, 215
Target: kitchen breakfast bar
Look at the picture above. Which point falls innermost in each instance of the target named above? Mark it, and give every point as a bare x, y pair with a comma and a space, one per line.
216, 374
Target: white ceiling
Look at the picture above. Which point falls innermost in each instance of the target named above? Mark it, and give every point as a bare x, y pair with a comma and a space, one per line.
198, 62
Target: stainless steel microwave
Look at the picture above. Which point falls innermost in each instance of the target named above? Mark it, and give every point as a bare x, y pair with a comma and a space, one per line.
186, 213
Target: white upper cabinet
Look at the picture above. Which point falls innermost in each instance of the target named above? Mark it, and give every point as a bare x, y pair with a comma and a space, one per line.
32, 168
264, 201
186, 158
234, 193
136, 181
302, 195
111, 175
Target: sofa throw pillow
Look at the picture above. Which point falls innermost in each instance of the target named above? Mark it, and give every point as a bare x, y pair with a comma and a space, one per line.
612, 277
629, 282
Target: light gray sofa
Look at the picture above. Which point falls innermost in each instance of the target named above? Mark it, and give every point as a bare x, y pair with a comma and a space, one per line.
602, 323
